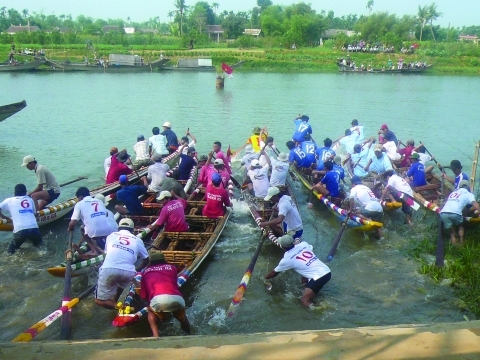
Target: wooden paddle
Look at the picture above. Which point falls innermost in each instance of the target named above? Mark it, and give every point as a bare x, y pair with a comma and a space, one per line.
36, 329
72, 181
66, 323
440, 252
333, 250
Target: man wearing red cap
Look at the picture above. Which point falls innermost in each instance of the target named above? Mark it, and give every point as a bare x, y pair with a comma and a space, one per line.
383, 132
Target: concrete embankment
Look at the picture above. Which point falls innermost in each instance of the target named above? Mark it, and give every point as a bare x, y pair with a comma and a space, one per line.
439, 341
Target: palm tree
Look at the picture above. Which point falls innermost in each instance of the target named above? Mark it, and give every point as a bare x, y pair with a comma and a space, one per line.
171, 14
25, 13
128, 19
369, 6
422, 17
215, 6
3, 11
181, 7
433, 14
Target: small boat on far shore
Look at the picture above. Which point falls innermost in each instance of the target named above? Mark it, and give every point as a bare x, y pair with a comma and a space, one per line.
11, 109
371, 70
22, 66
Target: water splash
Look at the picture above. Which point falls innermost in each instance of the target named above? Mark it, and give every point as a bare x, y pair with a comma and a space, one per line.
218, 318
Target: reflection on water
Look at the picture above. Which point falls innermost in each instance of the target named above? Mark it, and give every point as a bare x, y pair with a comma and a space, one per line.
72, 120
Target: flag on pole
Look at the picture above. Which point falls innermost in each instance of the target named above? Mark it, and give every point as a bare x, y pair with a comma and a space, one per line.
227, 69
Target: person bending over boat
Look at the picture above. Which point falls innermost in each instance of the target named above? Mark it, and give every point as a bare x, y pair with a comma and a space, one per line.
396, 185
142, 153
300, 257
47, 189
169, 184
360, 129
129, 194
456, 168
363, 202
172, 214
330, 183
118, 167
259, 176
302, 128
108, 161
94, 216
157, 144
22, 211
159, 287
416, 173
324, 153
172, 140
156, 173
451, 213
280, 168
288, 220
122, 249
217, 198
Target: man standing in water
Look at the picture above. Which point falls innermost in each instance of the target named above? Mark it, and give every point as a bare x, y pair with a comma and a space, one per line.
299, 256
47, 189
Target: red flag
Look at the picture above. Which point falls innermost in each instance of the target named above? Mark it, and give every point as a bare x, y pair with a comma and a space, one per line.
227, 69
229, 153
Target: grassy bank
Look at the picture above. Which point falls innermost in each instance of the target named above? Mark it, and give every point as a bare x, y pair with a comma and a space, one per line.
257, 59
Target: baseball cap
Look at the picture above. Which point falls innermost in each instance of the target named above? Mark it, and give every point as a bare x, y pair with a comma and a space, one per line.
157, 157
282, 157
378, 147
123, 179
167, 124
218, 162
255, 163
285, 241
102, 199
191, 150
464, 184
27, 159
203, 158
384, 127
272, 191
156, 256
126, 223
257, 130
140, 137
122, 155
356, 180
216, 179
415, 156
163, 195
248, 149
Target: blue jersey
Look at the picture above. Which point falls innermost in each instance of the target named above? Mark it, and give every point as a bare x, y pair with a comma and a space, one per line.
324, 154
332, 183
300, 157
339, 170
129, 196
309, 147
302, 128
417, 171
460, 177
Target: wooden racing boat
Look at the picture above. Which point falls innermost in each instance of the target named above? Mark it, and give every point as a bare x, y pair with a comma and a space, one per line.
11, 109
22, 66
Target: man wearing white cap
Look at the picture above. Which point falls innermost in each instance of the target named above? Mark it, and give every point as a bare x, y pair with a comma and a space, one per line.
288, 220
118, 270
142, 153
249, 156
451, 213
172, 140
259, 176
280, 168
47, 189
172, 214
299, 256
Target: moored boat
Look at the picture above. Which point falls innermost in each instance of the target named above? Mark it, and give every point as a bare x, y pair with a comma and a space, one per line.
22, 66
403, 70
11, 109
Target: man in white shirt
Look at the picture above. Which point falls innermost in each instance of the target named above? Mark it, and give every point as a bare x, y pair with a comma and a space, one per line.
360, 129
157, 172
299, 256
94, 216
349, 140
157, 143
185, 141
118, 270
396, 184
259, 176
249, 157
108, 160
288, 220
364, 202
142, 153
451, 213
22, 211
280, 168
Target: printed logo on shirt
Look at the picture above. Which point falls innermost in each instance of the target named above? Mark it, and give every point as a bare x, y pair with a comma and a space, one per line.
101, 213
25, 211
214, 197
123, 248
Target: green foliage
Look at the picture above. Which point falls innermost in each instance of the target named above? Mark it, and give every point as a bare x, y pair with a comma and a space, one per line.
245, 42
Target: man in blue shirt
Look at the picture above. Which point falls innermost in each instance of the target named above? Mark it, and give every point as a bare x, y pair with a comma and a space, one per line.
129, 194
416, 173
297, 156
324, 153
302, 128
456, 167
186, 165
330, 183
172, 140
309, 148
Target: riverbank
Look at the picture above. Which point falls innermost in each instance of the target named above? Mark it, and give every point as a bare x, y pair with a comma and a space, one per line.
441, 341
319, 59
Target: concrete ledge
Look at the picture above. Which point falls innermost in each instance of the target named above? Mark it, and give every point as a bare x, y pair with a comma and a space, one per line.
440, 341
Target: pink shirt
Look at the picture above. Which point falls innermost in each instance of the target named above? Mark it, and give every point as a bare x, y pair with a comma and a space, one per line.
217, 198
221, 155
172, 216
159, 279
117, 168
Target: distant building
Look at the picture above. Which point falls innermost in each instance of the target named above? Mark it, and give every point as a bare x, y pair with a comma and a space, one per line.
13, 29
472, 38
149, 31
108, 28
215, 32
253, 32
330, 33
129, 30
63, 30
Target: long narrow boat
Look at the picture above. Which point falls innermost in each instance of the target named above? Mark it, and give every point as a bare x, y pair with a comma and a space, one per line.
354, 221
23, 66
414, 70
67, 66
11, 109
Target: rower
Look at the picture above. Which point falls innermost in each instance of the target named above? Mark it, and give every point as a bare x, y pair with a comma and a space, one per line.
217, 150
299, 256
118, 270
359, 159
380, 163
390, 146
397, 184
248, 157
280, 169
186, 141
349, 140
451, 213
406, 152
157, 143
187, 163
269, 147
142, 155
118, 166
258, 174
360, 129
424, 158
255, 139
330, 183
288, 220
171, 185
456, 168
297, 156
129, 194
217, 198
324, 153
309, 148
172, 140
381, 134
338, 168
22, 211
108, 160
47, 189
159, 287
302, 128
94, 216
416, 173
156, 173
172, 214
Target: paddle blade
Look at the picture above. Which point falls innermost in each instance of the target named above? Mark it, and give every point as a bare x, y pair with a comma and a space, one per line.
128, 319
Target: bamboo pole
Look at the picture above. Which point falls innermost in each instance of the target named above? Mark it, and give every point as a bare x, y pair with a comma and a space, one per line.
474, 167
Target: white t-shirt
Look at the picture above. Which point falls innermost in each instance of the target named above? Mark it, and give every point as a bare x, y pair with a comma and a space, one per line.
288, 209
190, 144
158, 144
259, 177
157, 173
270, 152
392, 150
399, 184
362, 160
247, 159
112, 221
365, 198
361, 135
349, 142
423, 158
279, 172
93, 214
141, 150
22, 212
122, 249
457, 200
302, 259
106, 164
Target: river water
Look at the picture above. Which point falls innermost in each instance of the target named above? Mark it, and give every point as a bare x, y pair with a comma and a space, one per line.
72, 120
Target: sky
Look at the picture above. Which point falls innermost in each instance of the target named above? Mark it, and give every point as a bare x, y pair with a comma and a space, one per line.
456, 13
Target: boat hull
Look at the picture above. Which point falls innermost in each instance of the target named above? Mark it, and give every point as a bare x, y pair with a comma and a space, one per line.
11, 109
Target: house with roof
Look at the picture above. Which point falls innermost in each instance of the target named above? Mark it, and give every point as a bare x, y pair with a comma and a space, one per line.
215, 32
108, 28
252, 32
472, 38
149, 31
14, 29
